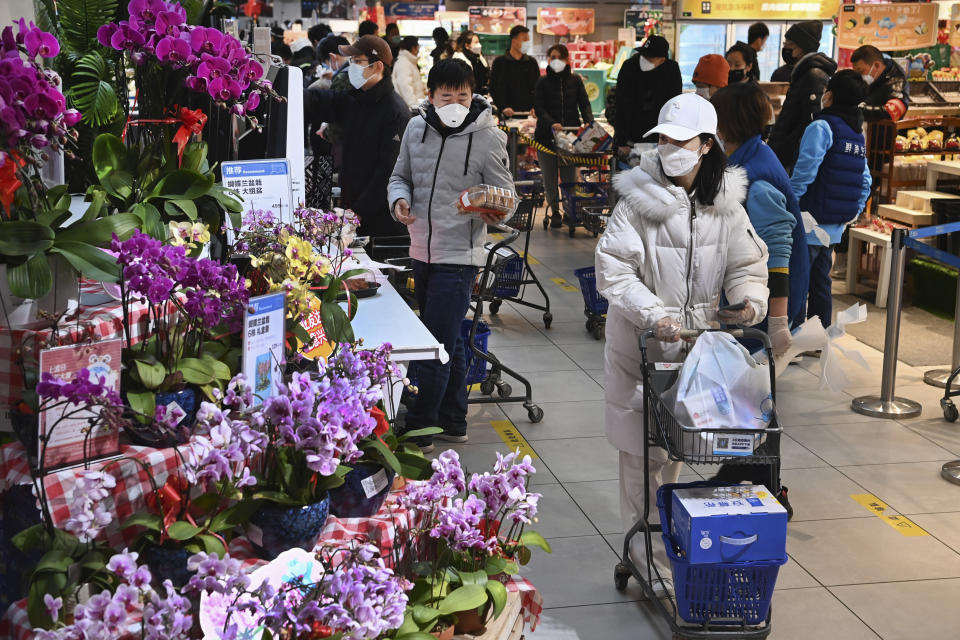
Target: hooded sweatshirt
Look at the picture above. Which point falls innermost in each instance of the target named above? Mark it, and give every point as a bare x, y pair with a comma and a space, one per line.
801, 105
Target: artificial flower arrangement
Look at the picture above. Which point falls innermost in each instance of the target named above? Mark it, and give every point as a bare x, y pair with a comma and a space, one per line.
469, 535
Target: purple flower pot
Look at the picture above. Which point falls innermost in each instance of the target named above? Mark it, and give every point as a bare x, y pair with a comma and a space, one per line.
274, 528
363, 491
166, 563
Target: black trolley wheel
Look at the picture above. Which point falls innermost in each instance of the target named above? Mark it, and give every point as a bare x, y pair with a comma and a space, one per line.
487, 386
573, 230
590, 324
598, 330
495, 306
621, 575
547, 320
950, 412
535, 414
504, 389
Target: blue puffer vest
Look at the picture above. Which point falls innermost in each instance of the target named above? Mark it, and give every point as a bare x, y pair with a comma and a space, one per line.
761, 163
834, 196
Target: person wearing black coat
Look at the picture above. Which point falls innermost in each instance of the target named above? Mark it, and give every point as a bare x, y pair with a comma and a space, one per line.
560, 100
375, 116
514, 75
645, 83
811, 73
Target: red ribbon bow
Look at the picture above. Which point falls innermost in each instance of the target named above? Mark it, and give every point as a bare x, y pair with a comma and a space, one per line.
382, 425
170, 498
191, 121
9, 182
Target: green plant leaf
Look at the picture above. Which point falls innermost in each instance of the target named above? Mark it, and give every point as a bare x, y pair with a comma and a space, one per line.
416, 635
414, 466
54, 560
498, 594
196, 371
30, 279
91, 89
30, 538
89, 260
40, 585
109, 156
463, 598
151, 521
187, 207
335, 323
388, 456
220, 370
80, 19
144, 403
118, 184
182, 184
275, 496
495, 565
472, 577
101, 231
150, 219
533, 539
151, 375
424, 615
24, 238
212, 544
181, 530
413, 433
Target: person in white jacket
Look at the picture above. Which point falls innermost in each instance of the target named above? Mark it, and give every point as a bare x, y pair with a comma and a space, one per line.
677, 238
406, 73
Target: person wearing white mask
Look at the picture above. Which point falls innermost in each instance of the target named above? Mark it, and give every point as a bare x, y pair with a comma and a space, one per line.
711, 74
470, 51
513, 75
560, 100
372, 117
645, 82
677, 238
454, 144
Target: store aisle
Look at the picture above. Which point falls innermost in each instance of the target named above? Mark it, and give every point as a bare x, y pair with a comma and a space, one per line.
852, 574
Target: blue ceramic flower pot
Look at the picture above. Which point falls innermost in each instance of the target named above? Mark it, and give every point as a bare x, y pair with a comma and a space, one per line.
166, 563
363, 491
274, 528
151, 436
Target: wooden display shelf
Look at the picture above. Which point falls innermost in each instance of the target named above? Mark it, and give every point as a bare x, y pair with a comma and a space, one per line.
922, 200
907, 216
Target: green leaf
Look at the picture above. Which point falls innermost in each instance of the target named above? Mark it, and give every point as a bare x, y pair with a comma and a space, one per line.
151, 220
101, 231
212, 544
533, 539
413, 433
118, 184
495, 565
463, 598
80, 19
144, 403
414, 466
52, 583
472, 577
498, 593
416, 635
31, 279
220, 370
152, 521
196, 371
54, 560
181, 530
151, 375
109, 156
30, 538
187, 207
195, 157
424, 615
24, 238
182, 184
91, 90
275, 496
388, 456
89, 260
336, 324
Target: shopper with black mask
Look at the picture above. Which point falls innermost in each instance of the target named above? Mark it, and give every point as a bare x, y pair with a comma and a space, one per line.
743, 63
645, 83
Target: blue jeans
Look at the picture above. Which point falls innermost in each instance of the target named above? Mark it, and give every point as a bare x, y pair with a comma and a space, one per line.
820, 296
443, 294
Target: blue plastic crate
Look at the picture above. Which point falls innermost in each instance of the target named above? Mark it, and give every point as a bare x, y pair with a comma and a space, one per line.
576, 195
721, 593
476, 367
507, 284
592, 301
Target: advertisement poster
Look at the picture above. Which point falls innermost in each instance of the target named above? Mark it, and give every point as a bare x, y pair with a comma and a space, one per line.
264, 331
320, 347
889, 27
753, 9
263, 184
565, 21
645, 22
66, 443
409, 10
496, 20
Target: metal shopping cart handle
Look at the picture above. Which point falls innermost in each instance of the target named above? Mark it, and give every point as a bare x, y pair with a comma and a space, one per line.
749, 334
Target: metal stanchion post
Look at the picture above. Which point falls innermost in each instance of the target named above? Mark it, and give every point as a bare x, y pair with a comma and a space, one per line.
938, 377
512, 142
887, 405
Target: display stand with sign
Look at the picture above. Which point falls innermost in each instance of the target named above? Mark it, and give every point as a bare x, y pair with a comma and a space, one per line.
263, 185
264, 332
889, 27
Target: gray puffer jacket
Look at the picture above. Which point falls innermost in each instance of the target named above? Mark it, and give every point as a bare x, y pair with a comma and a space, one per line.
432, 171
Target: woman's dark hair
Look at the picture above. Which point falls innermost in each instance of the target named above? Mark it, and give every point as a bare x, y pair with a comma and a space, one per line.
743, 111
848, 88
392, 27
367, 28
450, 73
409, 43
709, 178
561, 49
745, 50
463, 41
440, 35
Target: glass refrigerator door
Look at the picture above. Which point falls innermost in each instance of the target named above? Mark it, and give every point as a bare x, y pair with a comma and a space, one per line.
694, 41
769, 58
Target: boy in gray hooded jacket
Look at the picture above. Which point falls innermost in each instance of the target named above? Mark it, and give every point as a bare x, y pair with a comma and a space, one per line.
454, 144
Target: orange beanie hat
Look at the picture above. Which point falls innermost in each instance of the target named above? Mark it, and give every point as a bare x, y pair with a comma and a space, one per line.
712, 70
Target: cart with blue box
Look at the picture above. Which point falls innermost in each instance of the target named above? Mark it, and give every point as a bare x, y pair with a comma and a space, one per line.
726, 543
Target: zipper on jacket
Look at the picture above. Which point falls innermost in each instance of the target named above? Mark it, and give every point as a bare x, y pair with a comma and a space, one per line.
563, 120
436, 169
466, 162
690, 252
755, 243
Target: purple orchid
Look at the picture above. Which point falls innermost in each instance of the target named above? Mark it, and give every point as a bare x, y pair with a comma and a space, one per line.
172, 49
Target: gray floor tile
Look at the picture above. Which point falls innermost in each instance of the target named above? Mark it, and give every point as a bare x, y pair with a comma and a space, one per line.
877, 442
802, 614
600, 500
579, 459
559, 516
810, 406
560, 420
933, 427
565, 386
624, 621
599, 375
943, 526
512, 334
822, 494
926, 395
908, 488
793, 576
793, 455
587, 355
537, 359
906, 610
570, 332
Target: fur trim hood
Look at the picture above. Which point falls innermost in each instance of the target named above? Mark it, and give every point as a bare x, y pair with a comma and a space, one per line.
648, 191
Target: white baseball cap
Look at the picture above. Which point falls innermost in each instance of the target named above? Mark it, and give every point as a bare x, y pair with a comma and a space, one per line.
686, 116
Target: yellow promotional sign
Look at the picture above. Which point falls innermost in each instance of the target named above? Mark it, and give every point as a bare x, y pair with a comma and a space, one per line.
313, 324
753, 9
888, 27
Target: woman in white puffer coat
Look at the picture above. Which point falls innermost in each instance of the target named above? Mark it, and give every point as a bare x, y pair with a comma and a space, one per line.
677, 238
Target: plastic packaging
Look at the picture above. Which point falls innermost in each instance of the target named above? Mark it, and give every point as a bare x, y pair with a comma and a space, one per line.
486, 198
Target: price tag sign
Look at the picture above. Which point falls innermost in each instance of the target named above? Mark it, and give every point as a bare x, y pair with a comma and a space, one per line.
734, 444
263, 184
264, 329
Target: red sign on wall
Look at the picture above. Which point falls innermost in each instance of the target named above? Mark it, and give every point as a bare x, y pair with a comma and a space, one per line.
565, 21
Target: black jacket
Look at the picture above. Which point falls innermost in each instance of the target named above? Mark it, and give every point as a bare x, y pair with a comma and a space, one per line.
800, 106
640, 96
481, 73
888, 96
512, 82
373, 123
782, 74
557, 98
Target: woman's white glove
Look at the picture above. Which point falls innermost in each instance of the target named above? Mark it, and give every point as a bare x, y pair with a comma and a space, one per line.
779, 330
667, 330
743, 316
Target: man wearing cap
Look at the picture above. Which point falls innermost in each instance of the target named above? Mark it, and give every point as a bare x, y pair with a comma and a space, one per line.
811, 72
645, 83
711, 74
375, 117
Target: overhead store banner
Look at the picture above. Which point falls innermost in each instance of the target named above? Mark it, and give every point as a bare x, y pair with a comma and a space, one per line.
756, 9
409, 10
565, 21
888, 27
496, 21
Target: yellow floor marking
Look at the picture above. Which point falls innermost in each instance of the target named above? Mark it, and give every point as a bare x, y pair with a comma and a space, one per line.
530, 259
495, 236
473, 387
881, 509
563, 284
509, 434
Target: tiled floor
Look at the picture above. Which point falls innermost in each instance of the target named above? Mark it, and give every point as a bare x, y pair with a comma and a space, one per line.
851, 574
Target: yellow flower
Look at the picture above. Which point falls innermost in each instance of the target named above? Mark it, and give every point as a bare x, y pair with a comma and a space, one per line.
188, 234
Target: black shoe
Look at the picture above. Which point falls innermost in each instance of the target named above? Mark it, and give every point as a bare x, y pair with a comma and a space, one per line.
556, 221
785, 501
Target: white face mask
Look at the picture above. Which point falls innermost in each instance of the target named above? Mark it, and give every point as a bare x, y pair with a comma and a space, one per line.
452, 115
677, 161
525, 46
646, 65
868, 78
703, 92
355, 73
477, 48
558, 65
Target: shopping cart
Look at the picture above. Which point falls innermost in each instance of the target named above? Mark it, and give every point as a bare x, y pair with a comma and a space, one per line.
577, 197
950, 413
595, 217
594, 305
484, 292
715, 595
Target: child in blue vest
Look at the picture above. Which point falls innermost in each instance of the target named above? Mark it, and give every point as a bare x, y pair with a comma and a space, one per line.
832, 180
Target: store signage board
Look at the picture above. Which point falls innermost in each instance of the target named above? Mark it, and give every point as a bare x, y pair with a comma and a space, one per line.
753, 9
496, 20
640, 19
565, 21
66, 445
264, 330
409, 10
263, 184
889, 27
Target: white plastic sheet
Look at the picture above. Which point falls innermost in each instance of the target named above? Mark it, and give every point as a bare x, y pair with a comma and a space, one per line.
811, 336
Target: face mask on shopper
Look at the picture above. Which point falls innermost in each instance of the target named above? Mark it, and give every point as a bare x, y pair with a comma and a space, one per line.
868, 79
557, 65
787, 54
452, 115
735, 76
476, 48
646, 65
703, 92
677, 161
355, 73
525, 46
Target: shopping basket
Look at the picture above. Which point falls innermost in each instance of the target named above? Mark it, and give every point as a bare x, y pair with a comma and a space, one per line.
576, 195
476, 367
720, 593
594, 305
595, 218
